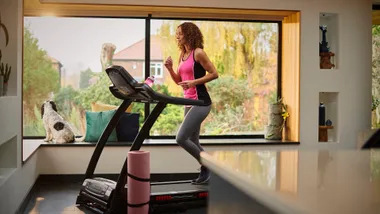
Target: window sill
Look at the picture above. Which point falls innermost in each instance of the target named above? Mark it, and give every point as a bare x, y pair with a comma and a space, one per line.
166, 142
30, 146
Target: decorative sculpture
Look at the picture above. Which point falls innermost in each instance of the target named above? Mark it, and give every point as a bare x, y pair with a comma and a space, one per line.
5, 30
276, 117
106, 55
324, 51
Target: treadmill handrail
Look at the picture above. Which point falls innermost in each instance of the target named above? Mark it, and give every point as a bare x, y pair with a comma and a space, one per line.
129, 90
140, 88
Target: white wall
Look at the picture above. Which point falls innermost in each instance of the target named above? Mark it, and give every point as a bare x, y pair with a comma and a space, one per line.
352, 80
10, 116
14, 186
10, 17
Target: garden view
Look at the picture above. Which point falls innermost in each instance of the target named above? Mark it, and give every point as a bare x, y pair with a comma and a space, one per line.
62, 63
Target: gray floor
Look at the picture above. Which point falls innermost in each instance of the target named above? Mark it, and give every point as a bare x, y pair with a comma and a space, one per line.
54, 197
59, 198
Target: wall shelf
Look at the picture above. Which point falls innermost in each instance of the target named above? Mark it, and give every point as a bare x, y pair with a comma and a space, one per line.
329, 23
8, 153
328, 132
9, 124
8, 159
5, 173
6, 97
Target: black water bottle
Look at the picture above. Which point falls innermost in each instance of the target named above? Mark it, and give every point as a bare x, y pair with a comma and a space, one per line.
322, 112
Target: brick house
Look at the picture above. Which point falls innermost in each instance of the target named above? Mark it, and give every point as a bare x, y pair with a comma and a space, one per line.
132, 58
57, 65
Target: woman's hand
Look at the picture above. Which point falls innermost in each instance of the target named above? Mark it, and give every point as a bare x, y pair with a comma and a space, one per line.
169, 63
187, 84
169, 66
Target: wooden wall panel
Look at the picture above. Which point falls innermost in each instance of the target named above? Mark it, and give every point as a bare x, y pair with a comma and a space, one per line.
376, 17
290, 75
36, 8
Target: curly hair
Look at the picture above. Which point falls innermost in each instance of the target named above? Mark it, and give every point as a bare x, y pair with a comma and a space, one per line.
192, 35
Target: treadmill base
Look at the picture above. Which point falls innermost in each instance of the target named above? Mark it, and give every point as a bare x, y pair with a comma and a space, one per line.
166, 197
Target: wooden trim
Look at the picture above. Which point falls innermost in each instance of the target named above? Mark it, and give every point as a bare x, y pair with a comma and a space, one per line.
376, 17
36, 8
291, 74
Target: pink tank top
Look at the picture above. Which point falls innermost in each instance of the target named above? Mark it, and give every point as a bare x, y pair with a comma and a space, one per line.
189, 69
186, 71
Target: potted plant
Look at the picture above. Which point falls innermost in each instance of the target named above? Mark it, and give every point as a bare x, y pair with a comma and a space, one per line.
277, 117
5, 72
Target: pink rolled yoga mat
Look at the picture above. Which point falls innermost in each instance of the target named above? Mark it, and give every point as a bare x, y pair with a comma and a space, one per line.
138, 182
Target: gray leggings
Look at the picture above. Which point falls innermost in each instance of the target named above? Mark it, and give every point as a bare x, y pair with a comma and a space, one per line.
188, 133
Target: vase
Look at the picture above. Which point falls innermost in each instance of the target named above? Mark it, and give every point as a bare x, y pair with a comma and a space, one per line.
322, 114
273, 131
5, 89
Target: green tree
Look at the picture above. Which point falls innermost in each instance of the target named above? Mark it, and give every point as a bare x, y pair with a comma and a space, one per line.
230, 92
171, 117
245, 55
169, 120
228, 113
65, 99
40, 78
85, 77
98, 92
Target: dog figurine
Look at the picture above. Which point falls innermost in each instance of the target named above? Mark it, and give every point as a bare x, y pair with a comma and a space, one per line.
55, 126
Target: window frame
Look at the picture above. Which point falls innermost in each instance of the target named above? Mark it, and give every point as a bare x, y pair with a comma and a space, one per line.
146, 72
157, 65
150, 67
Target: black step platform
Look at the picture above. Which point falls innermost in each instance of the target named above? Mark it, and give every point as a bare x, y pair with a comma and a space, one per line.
176, 187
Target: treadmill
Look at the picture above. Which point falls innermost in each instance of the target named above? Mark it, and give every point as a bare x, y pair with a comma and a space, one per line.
102, 195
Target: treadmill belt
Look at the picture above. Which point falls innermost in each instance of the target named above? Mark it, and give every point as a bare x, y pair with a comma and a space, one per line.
177, 188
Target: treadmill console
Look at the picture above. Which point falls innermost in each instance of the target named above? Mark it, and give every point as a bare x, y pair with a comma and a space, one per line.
124, 87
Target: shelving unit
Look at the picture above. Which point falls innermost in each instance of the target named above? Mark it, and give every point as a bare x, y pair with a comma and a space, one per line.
329, 21
329, 133
8, 158
8, 136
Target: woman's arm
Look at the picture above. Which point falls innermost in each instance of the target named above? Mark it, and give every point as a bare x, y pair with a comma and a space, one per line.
201, 57
169, 65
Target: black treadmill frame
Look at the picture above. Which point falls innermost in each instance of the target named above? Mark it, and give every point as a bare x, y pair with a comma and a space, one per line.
126, 88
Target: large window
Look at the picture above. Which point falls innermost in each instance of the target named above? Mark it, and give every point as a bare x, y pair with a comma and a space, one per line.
375, 67
245, 55
64, 60
375, 76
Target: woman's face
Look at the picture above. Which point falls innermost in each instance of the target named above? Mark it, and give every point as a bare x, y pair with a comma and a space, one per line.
179, 36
